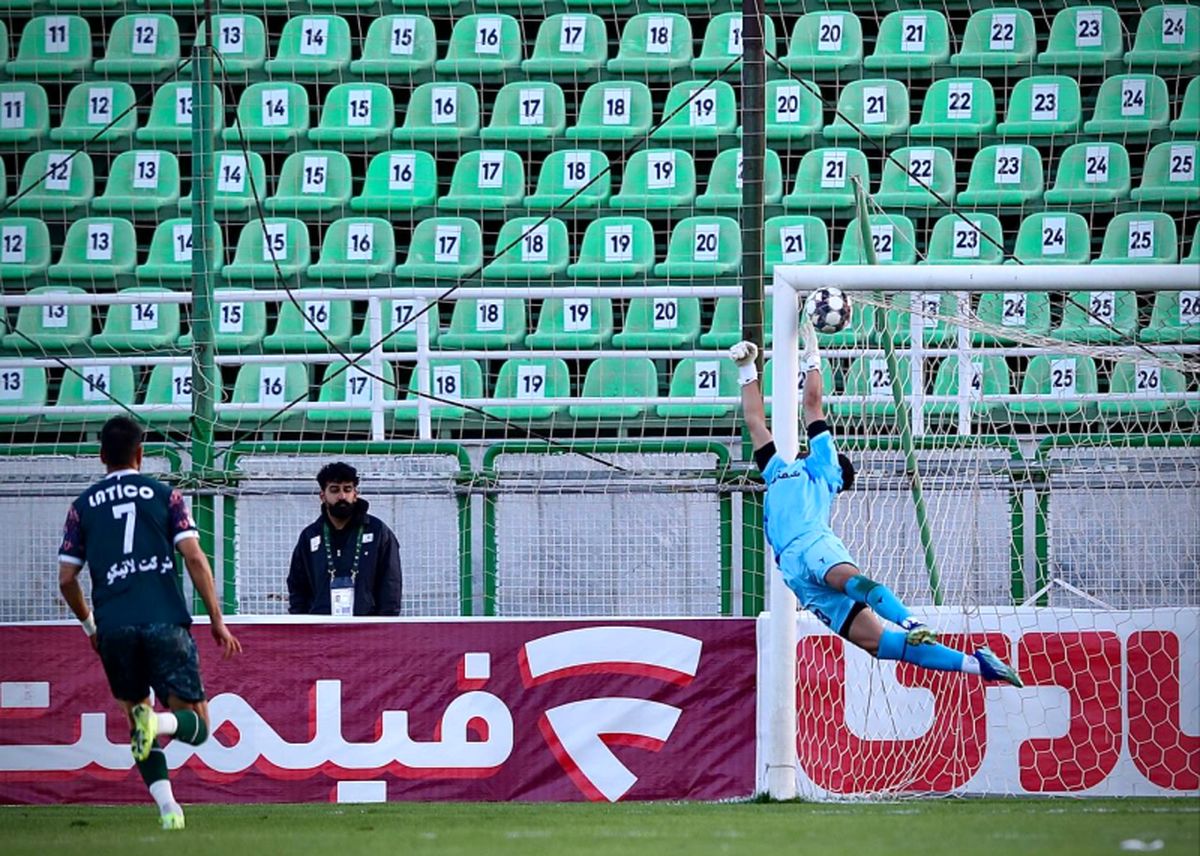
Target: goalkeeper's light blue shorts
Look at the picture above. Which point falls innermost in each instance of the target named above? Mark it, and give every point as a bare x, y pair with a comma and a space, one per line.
804, 565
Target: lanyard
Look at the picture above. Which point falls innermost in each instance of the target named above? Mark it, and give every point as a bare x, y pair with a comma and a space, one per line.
358, 542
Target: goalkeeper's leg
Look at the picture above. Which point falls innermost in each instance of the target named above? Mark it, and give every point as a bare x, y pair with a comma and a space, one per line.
862, 589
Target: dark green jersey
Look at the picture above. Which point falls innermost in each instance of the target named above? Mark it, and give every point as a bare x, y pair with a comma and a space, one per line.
125, 528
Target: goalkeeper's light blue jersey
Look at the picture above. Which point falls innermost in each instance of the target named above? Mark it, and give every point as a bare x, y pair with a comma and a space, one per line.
800, 494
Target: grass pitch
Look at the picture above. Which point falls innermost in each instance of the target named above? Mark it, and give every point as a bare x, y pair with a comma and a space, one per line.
1061, 827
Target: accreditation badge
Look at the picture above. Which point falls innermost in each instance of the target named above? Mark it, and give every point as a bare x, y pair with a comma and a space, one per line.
341, 597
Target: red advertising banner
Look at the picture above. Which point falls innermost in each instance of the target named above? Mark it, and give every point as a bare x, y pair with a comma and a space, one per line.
403, 710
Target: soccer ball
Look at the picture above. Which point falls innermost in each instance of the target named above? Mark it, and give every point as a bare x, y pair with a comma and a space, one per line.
828, 309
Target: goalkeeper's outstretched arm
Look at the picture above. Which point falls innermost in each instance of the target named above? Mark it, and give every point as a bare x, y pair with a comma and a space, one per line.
745, 355
810, 368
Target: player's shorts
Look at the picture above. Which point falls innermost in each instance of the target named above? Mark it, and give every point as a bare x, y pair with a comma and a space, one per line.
158, 656
804, 567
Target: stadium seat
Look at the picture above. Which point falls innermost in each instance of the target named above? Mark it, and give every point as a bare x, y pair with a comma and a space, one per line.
795, 239
96, 251
1170, 176
1090, 173
169, 259
396, 182
725, 329
660, 322
308, 323
825, 41
614, 110
397, 46
4, 41
52, 47
1084, 37
989, 376
141, 46
525, 112
1188, 121
1130, 105
92, 108
239, 177
1174, 319
653, 43
627, 378
448, 380
25, 111
957, 107
1193, 256
1042, 106
3, 188
703, 246
270, 386
1143, 237
311, 46
1063, 377
572, 179
615, 248
356, 113
490, 179
934, 309
1168, 36
354, 251
354, 387
241, 43
51, 328
140, 182
23, 386
1098, 317
1053, 237
531, 379
824, 180
272, 112
656, 180
917, 177
97, 385
711, 110
877, 108
268, 250
443, 248
723, 44
485, 324
701, 378
724, 188
488, 44
959, 241
869, 377
573, 44
529, 249
892, 237
1147, 379
53, 183
573, 323
795, 110
147, 325
997, 38
169, 385
311, 182
1025, 313
1004, 175
440, 112
24, 249
910, 40
238, 325
399, 320
170, 119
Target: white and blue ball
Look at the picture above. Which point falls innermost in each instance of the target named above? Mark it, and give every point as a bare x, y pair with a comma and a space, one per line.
828, 309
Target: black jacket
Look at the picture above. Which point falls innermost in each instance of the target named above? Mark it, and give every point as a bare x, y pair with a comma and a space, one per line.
377, 587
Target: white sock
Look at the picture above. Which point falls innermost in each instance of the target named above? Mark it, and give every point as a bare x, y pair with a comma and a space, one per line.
163, 796
970, 665
167, 723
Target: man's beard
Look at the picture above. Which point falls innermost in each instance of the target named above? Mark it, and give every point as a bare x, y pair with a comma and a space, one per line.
341, 509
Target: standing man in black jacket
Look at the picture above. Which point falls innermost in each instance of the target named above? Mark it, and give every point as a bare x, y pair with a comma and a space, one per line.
347, 562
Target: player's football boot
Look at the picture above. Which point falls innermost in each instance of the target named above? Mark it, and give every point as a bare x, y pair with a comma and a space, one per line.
172, 820
992, 668
145, 729
918, 633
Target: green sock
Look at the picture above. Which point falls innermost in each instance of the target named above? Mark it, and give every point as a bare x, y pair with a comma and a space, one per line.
192, 728
154, 768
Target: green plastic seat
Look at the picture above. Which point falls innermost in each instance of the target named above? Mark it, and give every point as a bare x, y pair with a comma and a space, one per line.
170, 119
526, 112
354, 388
239, 326
311, 46
909, 40
487, 44
56, 328
98, 385
271, 387
487, 179
1090, 173
399, 320
573, 323
24, 249
615, 248
959, 241
1060, 377
877, 108
653, 43
571, 44
571, 179
485, 324
957, 107
534, 380
147, 325
24, 111
169, 259
723, 44
141, 46
917, 177
932, 315
239, 177
141, 181
1170, 175
307, 324
1148, 380
869, 377
824, 180
440, 112
988, 376
1042, 106
21, 386
624, 378
1004, 175
1084, 37
97, 113
725, 329
443, 248
1054, 237
657, 180
1168, 36
701, 378
1193, 257
825, 41
1098, 317
241, 43
1143, 237
527, 248
397, 182
614, 110
711, 112
795, 239
268, 249
356, 113
4, 42
1174, 319
274, 113
1130, 105
169, 386
1026, 314
397, 46
355, 251
892, 236
52, 47
311, 182
997, 38
448, 380
53, 183
703, 246
660, 322
795, 111
96, 251
1188, 121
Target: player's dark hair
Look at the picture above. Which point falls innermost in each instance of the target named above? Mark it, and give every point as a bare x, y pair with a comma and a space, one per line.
120, 439
337, 473
847, 472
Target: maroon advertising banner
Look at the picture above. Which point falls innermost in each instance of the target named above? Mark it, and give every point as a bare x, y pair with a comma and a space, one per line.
453, 710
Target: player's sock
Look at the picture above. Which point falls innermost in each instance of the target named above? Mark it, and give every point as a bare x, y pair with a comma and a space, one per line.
185, 725
893, 645
879, 597
154, 774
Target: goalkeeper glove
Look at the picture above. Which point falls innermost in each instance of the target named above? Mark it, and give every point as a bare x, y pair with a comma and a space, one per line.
745, 354
810, 356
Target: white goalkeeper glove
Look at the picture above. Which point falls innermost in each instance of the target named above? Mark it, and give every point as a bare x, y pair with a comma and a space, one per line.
810, 356
745, 354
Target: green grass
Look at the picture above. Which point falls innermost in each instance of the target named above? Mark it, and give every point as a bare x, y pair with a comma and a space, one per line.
913, 827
